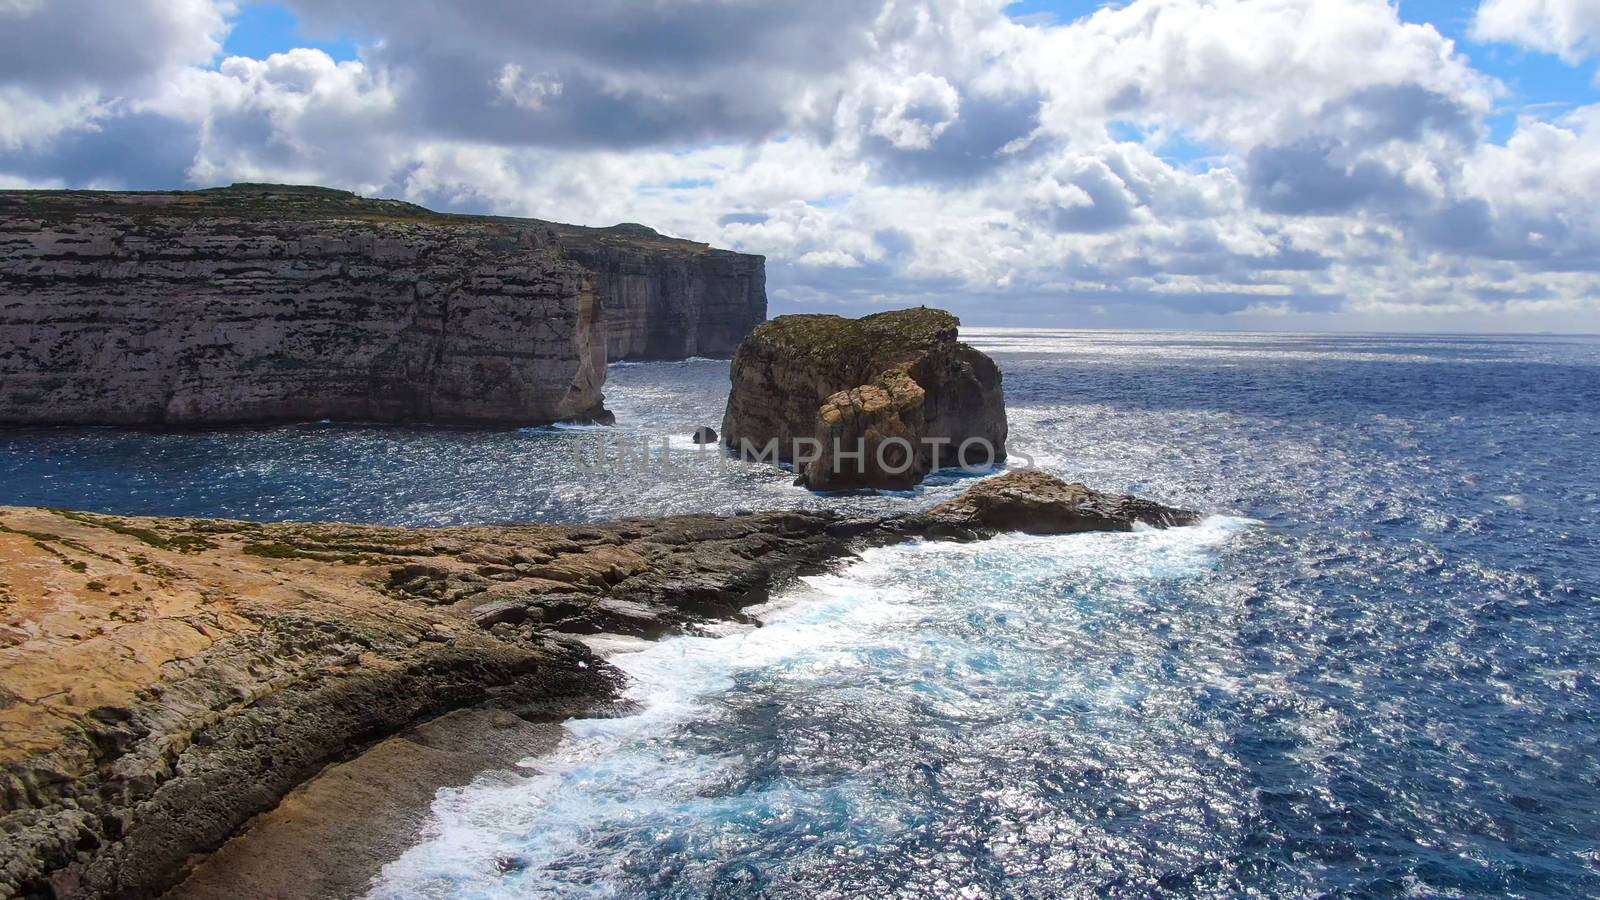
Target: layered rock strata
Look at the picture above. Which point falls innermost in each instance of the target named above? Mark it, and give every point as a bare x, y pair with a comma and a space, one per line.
876, 402
669, 299
164, 680
264, 303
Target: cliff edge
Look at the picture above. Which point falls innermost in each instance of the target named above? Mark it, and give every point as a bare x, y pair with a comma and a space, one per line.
666, 298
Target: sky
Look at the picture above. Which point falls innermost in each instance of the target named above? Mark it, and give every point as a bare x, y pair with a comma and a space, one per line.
1284, 165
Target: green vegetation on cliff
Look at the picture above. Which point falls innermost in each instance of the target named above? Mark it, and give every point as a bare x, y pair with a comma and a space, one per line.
878, 341
289, 202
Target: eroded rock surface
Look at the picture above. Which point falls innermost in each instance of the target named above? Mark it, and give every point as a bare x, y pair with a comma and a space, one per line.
162, 680
1035, 502
872, 386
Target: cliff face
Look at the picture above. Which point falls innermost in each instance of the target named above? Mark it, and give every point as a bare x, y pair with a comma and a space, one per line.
252, 305
262, 303
667, 299
896, 388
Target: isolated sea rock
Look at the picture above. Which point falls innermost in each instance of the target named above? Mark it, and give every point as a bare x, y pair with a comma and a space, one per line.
1035, 502
263, 303
705, 434
876, 402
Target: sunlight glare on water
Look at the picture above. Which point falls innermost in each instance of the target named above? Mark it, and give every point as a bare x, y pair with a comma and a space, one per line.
901, 724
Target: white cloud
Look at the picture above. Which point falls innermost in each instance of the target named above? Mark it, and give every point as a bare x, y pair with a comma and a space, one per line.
294, 116
1569, 28
28, 120
1308, 159
64, 64
526, 91
911, 114
1239, 72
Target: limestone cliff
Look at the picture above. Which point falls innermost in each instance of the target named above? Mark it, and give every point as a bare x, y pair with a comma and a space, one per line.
262, 303
875, 386
669, 299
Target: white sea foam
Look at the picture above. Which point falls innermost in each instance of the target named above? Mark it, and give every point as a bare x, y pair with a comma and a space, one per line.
611, 772
688, 360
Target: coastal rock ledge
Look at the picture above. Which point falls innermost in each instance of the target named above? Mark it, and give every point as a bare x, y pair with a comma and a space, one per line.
1034, 502
875, 402
165, 680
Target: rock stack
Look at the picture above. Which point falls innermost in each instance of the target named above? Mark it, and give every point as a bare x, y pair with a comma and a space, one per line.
876, 402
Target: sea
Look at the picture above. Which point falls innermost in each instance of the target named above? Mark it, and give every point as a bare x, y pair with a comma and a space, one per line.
1373, 671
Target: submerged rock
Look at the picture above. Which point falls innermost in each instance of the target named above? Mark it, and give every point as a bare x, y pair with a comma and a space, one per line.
873, 402
508, 865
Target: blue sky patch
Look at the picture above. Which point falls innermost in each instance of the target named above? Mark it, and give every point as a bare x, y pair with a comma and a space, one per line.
262, 29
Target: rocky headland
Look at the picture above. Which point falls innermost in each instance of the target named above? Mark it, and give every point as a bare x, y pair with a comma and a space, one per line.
163, 681
875, 402
267, 303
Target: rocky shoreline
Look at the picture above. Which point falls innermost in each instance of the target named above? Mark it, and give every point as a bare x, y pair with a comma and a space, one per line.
166, 680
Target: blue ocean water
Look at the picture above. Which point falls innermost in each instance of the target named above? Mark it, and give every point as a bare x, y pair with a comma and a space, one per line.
1375, 671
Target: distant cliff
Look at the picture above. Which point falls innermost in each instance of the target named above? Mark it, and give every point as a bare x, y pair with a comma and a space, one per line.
669, 299
261, 303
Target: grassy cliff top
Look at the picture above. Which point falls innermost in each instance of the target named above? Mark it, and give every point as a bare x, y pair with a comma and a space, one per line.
874, 342
246, 200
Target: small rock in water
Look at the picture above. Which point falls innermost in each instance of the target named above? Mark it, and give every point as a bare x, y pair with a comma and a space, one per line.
506, 865
705, 434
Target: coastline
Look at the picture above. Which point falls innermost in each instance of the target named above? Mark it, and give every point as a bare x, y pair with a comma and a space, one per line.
171, 680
